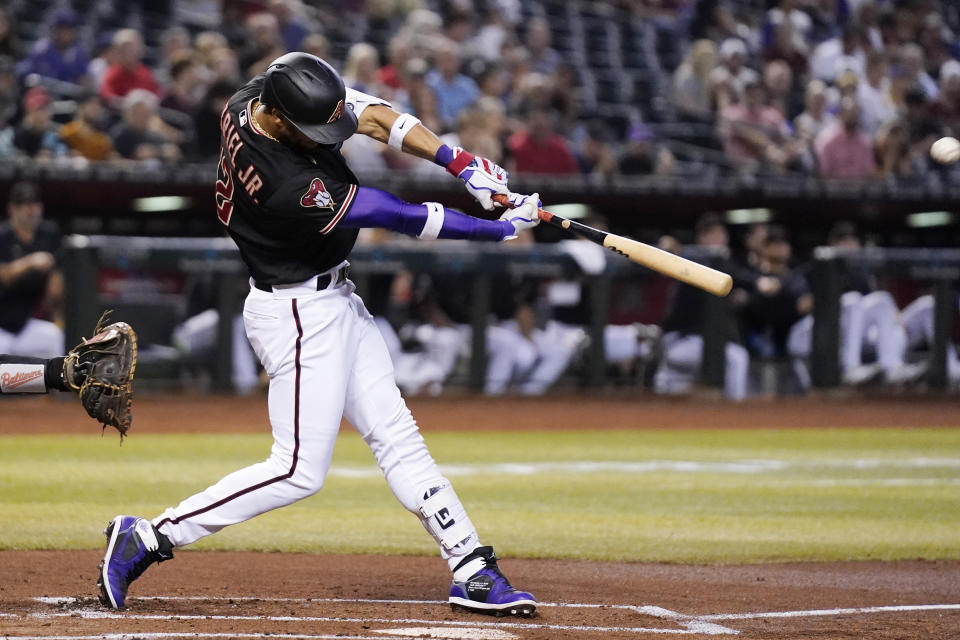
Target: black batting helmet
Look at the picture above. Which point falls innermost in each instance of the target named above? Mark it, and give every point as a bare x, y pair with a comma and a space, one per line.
310, 94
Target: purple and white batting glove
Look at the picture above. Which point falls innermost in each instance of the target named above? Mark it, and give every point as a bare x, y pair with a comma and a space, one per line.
482, 177
523, 215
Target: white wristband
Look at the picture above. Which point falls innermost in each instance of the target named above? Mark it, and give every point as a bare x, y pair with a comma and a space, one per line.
401, 127
433, 225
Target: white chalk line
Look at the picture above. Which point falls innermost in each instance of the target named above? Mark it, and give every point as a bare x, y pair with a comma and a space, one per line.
745, 466
692, 624
831, 612
195, 634
89, 614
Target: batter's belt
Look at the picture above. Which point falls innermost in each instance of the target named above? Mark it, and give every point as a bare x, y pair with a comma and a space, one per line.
324, 280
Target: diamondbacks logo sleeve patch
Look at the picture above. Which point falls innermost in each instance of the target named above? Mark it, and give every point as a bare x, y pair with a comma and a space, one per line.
317, 196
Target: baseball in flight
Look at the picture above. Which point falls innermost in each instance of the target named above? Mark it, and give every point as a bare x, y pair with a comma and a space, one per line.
946, 150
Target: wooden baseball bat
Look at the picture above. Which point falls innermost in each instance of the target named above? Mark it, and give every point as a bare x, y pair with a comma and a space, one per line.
669, 264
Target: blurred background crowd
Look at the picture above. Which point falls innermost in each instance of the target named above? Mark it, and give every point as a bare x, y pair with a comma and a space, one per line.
846, 90
835, 88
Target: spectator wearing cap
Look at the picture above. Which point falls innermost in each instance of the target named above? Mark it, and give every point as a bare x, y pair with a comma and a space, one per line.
59, 56
84, 134
128, 72
642, 156
843, 150
30, 283
141, 135
36, 136
537, 149
454, 91
730, 77
755, 134
946, 108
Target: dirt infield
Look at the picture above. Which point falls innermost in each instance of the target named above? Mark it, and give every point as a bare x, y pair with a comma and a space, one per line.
51, 594
179, 413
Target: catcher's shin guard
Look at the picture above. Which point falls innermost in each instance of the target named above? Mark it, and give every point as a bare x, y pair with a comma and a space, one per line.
133, 544
487, 590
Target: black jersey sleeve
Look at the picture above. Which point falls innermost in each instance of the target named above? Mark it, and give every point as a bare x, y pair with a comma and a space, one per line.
308, 196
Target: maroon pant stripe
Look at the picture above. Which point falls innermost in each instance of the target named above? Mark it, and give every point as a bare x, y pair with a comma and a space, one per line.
296, 438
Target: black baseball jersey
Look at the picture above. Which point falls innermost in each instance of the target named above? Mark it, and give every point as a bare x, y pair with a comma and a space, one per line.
19, 299
281, 206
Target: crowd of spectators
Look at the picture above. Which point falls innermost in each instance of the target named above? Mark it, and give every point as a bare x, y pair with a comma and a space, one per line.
836, 88
853, 89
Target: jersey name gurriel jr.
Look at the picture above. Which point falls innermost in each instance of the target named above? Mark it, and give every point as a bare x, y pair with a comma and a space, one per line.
280, 206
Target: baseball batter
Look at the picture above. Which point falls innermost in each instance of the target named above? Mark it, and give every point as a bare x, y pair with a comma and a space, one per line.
293, 206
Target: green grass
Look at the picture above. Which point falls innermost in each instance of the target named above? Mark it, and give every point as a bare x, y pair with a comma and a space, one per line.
797, 494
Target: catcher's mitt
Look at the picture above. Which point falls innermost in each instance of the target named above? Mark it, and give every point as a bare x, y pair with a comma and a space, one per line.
101, 370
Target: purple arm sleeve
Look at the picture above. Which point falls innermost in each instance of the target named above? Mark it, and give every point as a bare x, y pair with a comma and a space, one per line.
376, 208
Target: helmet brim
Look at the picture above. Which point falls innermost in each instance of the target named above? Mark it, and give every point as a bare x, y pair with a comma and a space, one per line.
329, 132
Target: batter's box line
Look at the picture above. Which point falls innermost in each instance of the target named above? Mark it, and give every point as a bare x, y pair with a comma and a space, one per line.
688, 624
91, 614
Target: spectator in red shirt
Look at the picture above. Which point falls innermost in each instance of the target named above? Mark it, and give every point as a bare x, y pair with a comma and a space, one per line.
538, 149
843, 151
128, 73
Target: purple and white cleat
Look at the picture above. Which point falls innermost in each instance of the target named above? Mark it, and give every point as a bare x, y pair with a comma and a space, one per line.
487, 590
133, 544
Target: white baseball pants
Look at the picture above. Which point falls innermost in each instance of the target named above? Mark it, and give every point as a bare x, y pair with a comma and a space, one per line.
325, 359
38, 338
680, 366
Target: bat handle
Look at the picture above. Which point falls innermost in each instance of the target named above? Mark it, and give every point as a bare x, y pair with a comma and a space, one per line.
503, 201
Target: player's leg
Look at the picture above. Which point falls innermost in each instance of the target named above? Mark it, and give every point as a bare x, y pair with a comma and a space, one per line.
556, 345
24, 374
882, 318
38, 338
508, 351
376, 409
737, 371
917, 318
852, 332
678, 368
301, 342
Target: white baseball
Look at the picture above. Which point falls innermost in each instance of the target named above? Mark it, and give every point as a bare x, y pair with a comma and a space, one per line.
946, 150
